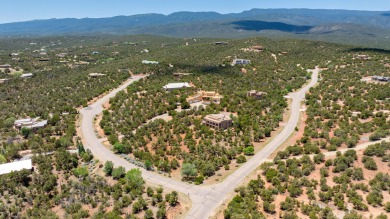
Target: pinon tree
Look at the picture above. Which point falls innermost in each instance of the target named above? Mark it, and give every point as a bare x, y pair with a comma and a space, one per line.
188, 170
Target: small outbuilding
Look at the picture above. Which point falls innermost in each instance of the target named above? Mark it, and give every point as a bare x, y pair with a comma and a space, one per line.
94, 75
362, 57
178, 75
221, 43
256, 94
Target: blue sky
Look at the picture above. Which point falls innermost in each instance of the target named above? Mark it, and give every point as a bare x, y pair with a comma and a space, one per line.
22, 10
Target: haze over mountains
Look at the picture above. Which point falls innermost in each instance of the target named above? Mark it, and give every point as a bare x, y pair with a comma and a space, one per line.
359, 27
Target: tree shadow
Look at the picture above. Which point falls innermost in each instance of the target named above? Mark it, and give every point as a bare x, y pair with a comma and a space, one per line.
209, 69
384, 51
264, 25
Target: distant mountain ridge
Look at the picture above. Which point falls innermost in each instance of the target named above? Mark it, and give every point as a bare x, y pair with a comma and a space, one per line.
263, 22
120, 23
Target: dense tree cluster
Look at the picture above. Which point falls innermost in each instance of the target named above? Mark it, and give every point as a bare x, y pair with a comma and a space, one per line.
296, 182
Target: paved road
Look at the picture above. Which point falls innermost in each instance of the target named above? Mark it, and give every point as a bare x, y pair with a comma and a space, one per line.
205, 199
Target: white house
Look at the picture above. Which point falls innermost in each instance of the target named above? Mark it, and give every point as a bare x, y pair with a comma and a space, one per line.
173, 86
15, 166
94, 75
27, 75
149, 62
30, 123
23, 122
241, 62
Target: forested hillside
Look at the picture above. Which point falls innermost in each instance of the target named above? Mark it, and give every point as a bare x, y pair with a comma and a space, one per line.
368, 28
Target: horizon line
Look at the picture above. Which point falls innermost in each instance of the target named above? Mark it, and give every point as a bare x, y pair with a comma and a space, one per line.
167, 14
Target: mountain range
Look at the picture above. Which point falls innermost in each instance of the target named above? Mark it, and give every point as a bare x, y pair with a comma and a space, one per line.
366, 28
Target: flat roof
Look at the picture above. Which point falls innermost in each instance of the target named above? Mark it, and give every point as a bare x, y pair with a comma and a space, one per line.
149, 62
182, 73
218, 117
176, 85
23, 120
26, 75
15, 166
39, 124
96, 74
31, 123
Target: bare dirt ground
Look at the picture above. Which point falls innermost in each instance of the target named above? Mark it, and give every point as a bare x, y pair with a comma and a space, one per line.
97, 127
178, 212
274, 56
100, 132
368, 174
221, 174
107, 105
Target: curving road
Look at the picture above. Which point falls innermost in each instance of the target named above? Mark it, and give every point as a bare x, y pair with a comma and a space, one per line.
205, 199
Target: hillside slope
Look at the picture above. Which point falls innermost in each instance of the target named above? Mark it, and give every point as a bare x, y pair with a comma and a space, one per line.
357, 27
